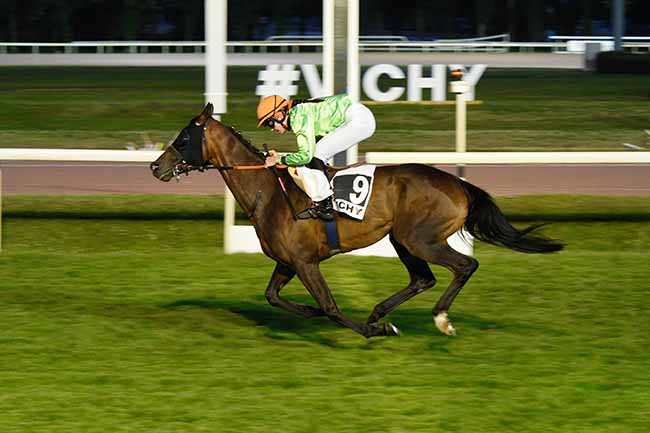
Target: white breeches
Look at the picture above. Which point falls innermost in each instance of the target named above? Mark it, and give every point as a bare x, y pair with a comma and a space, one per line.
316, 184
359, 125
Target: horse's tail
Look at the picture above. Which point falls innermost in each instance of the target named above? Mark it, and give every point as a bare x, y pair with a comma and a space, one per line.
486, 222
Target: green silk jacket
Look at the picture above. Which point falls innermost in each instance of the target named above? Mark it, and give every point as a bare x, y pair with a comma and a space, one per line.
315, 119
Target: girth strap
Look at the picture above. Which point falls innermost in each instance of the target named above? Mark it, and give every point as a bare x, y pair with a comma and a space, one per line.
332, 236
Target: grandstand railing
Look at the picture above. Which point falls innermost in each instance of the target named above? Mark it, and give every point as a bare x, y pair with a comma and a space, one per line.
294, 44
576, 44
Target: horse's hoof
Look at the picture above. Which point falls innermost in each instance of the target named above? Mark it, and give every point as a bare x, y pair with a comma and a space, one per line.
391, 330
444, 324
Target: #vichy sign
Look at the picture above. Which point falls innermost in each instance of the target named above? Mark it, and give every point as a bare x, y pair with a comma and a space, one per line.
280, 79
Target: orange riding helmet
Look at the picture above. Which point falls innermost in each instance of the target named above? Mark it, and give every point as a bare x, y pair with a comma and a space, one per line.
268, 106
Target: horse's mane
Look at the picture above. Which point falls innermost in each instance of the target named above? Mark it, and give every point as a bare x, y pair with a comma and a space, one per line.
245, 141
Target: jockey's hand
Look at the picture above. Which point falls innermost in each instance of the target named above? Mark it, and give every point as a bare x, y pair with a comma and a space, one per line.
271, 159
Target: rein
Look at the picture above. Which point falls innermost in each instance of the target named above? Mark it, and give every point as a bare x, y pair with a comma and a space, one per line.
184, 168
242, 167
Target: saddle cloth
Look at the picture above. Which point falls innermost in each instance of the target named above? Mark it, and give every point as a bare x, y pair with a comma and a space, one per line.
352, 189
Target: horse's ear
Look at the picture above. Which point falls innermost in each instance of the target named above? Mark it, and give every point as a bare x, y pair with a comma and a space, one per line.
206, 114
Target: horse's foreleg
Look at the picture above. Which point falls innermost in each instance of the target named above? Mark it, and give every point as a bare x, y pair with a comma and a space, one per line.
421, 279
282, 274
314, 282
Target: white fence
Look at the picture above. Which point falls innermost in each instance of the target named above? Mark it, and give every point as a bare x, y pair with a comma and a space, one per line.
79, 155
243, 239
625, 157
297, 45
493, 158
576, 44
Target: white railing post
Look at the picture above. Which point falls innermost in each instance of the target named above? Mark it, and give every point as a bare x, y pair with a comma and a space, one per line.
461, 241
216, 36
460, 88
328, 46
354, 70
228, 221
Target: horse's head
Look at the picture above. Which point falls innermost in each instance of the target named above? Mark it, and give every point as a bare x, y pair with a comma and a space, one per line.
187, 151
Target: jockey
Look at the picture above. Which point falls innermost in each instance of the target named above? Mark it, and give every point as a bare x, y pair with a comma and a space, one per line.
323, 128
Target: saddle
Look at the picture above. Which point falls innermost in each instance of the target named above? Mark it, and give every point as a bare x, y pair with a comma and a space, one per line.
330, 172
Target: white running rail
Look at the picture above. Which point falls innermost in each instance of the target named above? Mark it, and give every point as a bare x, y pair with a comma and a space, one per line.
102, 155
79, 155
625, 157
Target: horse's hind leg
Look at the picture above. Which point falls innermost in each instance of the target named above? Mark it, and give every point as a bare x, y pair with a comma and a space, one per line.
421, 279
461, 265
281, 276
315, 283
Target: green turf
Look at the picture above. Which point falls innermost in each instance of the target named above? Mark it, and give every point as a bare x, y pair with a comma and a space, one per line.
522, 110
121, 314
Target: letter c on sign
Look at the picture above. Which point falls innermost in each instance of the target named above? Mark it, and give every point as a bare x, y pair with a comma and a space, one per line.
371, 77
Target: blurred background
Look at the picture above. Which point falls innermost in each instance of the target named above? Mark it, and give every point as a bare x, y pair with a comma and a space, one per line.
123, 20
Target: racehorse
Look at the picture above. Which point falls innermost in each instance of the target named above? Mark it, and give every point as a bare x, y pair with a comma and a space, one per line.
416, 205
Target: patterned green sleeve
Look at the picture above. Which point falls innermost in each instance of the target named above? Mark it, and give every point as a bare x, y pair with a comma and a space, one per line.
303, 127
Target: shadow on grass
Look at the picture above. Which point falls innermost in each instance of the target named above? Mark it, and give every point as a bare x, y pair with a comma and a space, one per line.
281, 325
178, 212
419, 321
412, 322
174, 214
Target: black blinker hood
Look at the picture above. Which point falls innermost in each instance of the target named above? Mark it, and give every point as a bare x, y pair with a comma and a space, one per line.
192, 150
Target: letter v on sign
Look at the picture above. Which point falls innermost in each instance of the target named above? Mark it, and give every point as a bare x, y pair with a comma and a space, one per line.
314, 83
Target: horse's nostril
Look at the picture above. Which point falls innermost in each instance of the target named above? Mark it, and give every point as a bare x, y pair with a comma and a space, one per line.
154, 166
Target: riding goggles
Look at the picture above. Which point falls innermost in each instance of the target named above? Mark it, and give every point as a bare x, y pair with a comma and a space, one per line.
271, 121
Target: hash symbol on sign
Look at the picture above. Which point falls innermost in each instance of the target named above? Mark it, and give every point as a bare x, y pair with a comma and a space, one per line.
278, 80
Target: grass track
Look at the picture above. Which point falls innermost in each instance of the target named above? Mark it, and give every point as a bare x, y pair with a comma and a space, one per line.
121, 314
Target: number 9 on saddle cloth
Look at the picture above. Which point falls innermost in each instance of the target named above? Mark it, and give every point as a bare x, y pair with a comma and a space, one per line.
352, 187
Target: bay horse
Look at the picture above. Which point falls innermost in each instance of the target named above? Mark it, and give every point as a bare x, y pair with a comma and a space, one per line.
416, 205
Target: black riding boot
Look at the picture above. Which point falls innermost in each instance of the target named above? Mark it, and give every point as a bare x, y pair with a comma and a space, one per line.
324, 209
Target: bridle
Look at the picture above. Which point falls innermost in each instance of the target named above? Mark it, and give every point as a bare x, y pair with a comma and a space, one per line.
190, 154
190, 157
